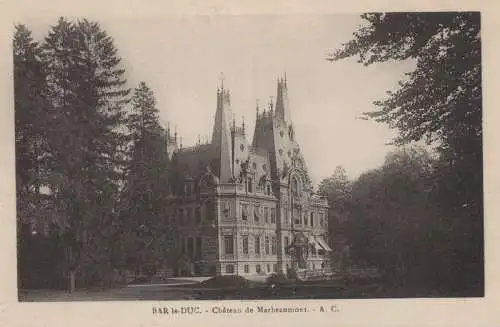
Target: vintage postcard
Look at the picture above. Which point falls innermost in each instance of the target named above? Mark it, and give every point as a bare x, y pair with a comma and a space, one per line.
171, 164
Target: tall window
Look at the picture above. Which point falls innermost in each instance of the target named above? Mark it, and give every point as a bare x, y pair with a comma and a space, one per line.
198, 247
256, 213
267, 244
257, 244
249, 185
305, 219
244, 212
287, 244
311, 218
273, 245
296, 216
246, 269
190, 247
228, 244
273, 215
245, 244
198, 215
295, 186
209, 210
285, 213
258, 269
266, 214
181, 216
229, 269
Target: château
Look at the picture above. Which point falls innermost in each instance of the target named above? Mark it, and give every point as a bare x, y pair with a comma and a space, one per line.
245, 208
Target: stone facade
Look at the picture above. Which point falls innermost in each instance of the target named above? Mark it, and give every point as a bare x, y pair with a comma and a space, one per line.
246, 209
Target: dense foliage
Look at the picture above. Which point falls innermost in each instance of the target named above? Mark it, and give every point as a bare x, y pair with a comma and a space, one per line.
421, 218
79, 154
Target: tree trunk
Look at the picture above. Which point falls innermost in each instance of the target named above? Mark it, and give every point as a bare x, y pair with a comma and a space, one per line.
71, 286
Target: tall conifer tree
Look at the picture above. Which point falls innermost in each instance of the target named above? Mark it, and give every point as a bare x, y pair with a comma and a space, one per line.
87, 95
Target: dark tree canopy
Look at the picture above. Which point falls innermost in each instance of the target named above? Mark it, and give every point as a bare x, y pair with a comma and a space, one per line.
435, 207
441, 99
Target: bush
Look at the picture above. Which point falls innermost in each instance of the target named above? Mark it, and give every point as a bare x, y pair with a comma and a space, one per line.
277, 278
227, 281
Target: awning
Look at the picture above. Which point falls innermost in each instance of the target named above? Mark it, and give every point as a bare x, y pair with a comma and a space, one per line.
323, 244
312, 241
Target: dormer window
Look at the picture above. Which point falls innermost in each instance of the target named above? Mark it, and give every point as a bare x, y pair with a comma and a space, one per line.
268, 189
290, 132
295, 186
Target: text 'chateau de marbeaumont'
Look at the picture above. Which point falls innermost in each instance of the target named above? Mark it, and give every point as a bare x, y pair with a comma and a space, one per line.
245, 209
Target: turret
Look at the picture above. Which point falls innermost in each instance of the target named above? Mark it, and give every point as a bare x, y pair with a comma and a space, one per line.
221, 138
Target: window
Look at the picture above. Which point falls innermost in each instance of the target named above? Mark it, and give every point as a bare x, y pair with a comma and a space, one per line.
268, 268
321, 222
287, 244
198, 215
268, 189
210, 210
275, 267
305, 219
273, 215
245, 244
254, 166
256, 213
229, 269
244, 212
249, 185
295, 187
285, 213
257, 269
267, 244
199, 247
266, 214
313, 250
228, 244
296, 216
314, 266
226, 210
242, 147
273, 245
312, 219
246, 268
190, 247
181, 216
257, 244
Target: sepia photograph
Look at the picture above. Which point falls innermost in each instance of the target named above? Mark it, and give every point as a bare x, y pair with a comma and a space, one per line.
249, 157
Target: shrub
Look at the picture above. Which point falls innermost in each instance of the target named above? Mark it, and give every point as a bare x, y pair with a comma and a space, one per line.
277, 278
227, 281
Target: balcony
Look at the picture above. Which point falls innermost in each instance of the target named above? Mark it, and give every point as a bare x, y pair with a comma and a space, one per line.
239, 189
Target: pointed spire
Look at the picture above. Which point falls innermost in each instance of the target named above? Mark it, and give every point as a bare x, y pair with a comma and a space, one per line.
282, 101
221, 81
221, 140
243, 123
257, 108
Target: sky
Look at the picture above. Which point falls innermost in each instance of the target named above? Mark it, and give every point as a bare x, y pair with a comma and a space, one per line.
182, 59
